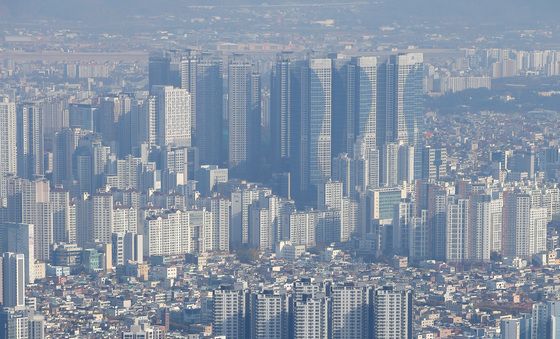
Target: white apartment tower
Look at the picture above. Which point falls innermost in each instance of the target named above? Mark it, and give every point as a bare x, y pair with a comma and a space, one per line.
349, 311
172, 107
457, 231
311, 317
8, 144
269, 311
36, 210
229, 313
392, 313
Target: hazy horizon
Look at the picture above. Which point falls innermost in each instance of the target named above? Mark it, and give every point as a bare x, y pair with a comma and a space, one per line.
476, 11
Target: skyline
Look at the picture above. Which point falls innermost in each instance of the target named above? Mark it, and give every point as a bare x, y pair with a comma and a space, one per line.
252, 170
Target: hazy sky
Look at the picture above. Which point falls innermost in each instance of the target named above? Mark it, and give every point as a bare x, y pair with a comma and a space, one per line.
474, 11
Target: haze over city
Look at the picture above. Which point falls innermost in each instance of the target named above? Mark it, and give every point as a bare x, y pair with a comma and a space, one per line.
279, 169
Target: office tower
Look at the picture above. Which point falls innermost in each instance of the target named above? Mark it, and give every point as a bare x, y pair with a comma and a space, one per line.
188, 80
65, 143
329, 225
193, 163
349, 311
173, 116
29, 141
523, 162
269, 315
401, 93
389, 175
13, 279
158, 70
392, 313
8, 137
133, 247
362, 102
14, 324
63, 211
383, 202
209, 176
89, 163
329, 195
176, 57
137, 123
311, 314
20, 238
115, 122
287, 207
437, 219
240, 201
402, 227
406, 166
265, 136
282, 104
209, 124
419, 238
216, 239
109, 111
281, 184
36, 210
230, 312
318, 106
11, 191
343, 170
244, 114
400, 108
349, 219
341, 90
371, 174
83, 116
254, 126
311, 130
83, 219
458, 225
54, 111
69, 255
